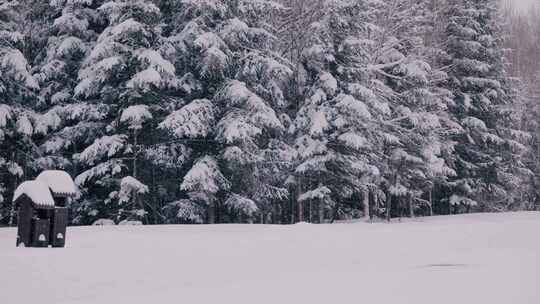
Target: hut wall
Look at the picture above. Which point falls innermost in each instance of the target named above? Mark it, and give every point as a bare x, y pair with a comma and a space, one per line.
24, 222
58, 229
40, 232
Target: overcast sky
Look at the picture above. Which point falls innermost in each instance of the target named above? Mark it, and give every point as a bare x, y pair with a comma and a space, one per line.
523, 4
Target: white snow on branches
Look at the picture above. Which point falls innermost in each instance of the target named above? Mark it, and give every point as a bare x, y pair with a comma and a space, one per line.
24, 125
315, 194
241, 204
135, 116
349, 103
205, 176
194, 120
130, 187
15, 63
106, 146
5, 115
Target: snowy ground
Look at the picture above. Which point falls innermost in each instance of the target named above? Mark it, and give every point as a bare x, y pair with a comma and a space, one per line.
477, 259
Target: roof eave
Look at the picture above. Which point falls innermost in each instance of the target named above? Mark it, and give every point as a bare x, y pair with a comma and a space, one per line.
62, 194
41, 206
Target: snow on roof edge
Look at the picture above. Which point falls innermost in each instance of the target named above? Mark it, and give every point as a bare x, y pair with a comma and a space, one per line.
37, 191
60, 182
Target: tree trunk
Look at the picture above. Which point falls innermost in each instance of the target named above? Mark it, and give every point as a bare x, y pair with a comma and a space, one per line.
153, 196
291, 208
211, 213
411, 207
12, 209
388, 205
140, 203
389, 198
335, 213
365, 196
321, 212
275, 213
135, 153
73, 163
300, 211
430, 201
377, 203
311, 211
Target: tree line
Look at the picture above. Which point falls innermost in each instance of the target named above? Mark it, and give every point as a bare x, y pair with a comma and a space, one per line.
222, 111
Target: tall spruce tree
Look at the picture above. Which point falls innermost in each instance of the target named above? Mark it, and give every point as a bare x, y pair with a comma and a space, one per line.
416, 161
17, 100
126, 72
234, 85
337, 129
488, 153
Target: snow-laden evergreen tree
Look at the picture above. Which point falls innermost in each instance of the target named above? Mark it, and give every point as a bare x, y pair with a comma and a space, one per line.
488, 153
233, 115
522, 41
17, 99
193, 111
416, 160
72, 33
126, 72
65, 122
337, 128
534, 125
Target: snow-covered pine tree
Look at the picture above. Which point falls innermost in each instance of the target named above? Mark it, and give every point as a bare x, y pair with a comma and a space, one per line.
488, 163
533, 118
65, 121
17, 96
337, 131
128, 73
234, 85
417, 129
369, 94
522, 40
70, 38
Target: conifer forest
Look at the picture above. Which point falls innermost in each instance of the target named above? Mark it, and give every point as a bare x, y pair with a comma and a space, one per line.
275, 112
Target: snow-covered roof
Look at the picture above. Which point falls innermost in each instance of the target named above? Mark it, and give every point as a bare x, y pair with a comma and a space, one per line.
58, 181
37, 191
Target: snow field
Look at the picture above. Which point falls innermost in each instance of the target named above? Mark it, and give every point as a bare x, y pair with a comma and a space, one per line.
481, 258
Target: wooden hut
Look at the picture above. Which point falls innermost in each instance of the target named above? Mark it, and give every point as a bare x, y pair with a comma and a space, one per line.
36, 205
43, 213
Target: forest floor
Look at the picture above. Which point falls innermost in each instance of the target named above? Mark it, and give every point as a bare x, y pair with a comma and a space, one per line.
477, 258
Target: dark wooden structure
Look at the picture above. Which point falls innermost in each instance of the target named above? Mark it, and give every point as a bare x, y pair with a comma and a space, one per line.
43, 214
